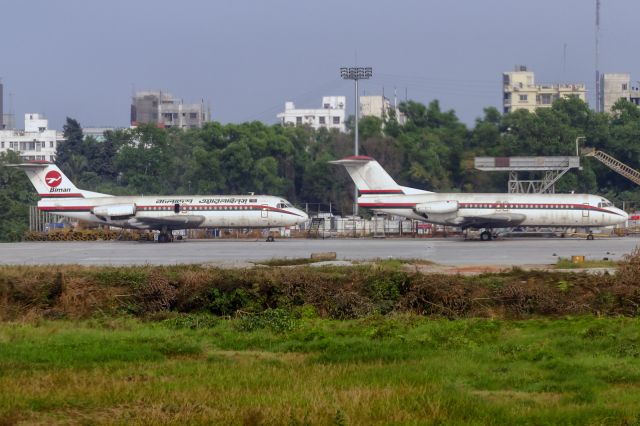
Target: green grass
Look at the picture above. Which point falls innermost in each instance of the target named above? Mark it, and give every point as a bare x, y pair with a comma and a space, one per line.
564, 263
275, 369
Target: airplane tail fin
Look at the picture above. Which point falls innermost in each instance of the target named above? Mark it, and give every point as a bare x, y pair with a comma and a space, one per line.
371, 179
50, 182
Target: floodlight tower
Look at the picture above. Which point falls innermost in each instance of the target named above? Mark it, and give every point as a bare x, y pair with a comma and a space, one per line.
356, 74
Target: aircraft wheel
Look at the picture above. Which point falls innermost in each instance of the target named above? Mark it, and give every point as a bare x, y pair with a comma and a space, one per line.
486, 236
163, 238
270, 239
590, 237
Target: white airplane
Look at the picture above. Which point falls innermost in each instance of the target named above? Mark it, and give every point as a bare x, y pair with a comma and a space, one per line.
163, 213
380, 192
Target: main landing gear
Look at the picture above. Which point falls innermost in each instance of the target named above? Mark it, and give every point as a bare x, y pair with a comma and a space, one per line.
486, 236
165, 236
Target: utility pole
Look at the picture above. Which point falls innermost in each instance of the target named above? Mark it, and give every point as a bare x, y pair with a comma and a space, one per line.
356, 74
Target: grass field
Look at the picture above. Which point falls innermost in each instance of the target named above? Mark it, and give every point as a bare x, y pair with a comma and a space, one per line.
276, 368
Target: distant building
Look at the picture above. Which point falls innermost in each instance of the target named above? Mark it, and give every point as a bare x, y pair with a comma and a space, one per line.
374, 106
161, 108
379, 106
35, 142
330, 116
616, 86
8, 122
519, 91
97, 132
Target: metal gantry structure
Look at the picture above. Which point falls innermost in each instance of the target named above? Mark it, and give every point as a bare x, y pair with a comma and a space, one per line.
356, 74
552, 169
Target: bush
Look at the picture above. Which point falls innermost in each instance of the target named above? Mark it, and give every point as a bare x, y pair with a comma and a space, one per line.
276, 320
191, 321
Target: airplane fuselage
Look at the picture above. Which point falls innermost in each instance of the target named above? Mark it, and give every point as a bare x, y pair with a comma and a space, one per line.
558, 210
178, 212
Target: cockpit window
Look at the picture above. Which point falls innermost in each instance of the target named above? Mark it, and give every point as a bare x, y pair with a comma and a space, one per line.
284, 204
605, 203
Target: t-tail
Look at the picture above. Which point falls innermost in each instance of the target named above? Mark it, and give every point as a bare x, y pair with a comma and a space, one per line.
371, 179
50, 182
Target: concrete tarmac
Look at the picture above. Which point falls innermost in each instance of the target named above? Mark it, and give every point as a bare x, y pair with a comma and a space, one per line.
454, 251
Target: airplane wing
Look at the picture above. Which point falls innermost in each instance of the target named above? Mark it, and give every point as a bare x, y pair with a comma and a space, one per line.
177, 221
496, 220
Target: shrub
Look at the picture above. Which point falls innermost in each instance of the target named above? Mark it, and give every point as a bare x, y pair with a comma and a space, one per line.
276, 320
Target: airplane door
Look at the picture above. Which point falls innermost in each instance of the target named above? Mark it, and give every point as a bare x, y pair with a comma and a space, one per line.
585, 214
265, 212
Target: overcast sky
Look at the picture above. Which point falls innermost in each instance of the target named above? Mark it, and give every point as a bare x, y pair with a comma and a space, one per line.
83, 58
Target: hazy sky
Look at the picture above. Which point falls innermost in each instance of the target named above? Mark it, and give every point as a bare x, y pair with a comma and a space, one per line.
83, 58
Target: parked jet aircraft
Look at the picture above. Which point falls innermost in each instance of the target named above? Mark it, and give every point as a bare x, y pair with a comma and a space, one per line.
477, 211
162, 213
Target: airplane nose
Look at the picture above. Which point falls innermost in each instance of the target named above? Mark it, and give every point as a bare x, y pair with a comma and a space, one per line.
625, 215
303, 216
620, 217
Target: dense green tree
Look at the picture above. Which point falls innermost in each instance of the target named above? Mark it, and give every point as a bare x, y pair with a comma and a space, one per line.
73, 144
16, 195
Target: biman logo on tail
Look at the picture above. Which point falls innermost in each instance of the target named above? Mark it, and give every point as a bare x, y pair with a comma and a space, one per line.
53, 179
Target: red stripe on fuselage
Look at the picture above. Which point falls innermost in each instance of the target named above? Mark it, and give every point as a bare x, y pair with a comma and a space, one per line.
381, 191
61, 195
189, 208
500, 206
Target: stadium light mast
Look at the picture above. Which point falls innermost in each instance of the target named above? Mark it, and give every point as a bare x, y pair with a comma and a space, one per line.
356, 74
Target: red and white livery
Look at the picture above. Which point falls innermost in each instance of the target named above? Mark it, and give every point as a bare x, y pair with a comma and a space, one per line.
378, 191
163, 213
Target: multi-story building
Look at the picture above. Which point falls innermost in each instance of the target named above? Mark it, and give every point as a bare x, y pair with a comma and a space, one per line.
616, 86
162, 109
35, 142
374, 106
519, 91
379, 106
330, 116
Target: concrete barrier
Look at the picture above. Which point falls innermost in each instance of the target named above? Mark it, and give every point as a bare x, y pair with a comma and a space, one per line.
324, 255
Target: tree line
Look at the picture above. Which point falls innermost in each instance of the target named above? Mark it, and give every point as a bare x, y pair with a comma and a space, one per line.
432, 150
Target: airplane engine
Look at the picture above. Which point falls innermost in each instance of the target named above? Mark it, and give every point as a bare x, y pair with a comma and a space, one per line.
437, 207
115, 211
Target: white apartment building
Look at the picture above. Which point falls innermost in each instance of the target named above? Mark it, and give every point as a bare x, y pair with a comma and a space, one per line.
35, 142
519, 91
616, 86
330, 116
